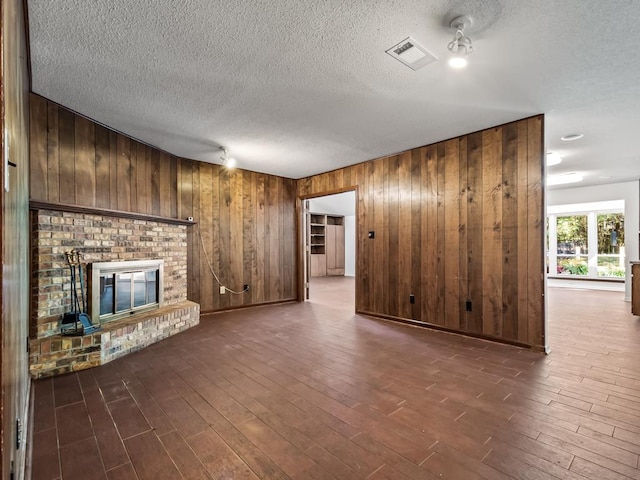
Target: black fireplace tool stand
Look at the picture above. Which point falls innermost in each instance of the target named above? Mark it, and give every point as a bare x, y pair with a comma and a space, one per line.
77, 321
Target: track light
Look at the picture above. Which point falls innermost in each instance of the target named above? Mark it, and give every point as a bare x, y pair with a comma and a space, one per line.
226, 160
461, 45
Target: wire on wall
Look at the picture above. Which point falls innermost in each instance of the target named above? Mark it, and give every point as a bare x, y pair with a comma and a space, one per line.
206, 257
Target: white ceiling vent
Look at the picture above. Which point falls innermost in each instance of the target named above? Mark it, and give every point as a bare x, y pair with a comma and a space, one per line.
412, 54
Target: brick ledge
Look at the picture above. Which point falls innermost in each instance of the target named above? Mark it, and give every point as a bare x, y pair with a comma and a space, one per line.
58, 354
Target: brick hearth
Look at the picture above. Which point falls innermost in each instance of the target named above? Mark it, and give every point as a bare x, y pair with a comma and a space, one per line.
102, 238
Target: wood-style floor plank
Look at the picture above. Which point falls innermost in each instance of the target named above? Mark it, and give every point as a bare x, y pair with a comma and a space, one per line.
313, 391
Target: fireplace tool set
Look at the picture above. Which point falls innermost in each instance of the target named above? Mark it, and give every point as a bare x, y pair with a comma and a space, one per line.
77, 315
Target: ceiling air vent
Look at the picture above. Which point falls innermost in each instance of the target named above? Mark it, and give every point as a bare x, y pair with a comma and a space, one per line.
412, 54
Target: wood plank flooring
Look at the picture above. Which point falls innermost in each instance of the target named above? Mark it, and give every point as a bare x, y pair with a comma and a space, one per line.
312, 391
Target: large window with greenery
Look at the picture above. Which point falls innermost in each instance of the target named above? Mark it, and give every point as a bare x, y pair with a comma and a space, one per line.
586, 244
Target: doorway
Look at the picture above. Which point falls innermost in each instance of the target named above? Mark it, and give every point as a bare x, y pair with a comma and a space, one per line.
330, 248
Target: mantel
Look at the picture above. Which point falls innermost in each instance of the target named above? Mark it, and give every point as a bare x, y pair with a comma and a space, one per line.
63, 207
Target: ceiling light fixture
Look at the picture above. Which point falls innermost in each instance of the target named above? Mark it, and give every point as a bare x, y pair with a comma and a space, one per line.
226, 160
564, 178
461, 45
553, 159
572, 136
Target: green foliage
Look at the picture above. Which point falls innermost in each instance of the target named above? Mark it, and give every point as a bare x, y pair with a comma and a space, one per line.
608, 223
611, 272
573, 267
573, 230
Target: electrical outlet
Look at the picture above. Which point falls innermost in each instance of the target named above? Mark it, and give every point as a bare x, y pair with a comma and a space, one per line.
245, 287
223, 290
468, 305
412, 298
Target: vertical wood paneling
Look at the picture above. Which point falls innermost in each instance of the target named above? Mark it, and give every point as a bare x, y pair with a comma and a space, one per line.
404, 236
258, 279
274, 248
242, 222
205, 229
38, 147
165, 189
373, 290
510, 231
225, 231
14, 241
289, 239
53, 154
430, 239
66, 155
133, 175
536, 229
443, 216
85, 161
156, 167
463, 263
249, 232
492, 230
452, 234
193, 235
456, 221
441, 236
236, 260
123, 167
417, 160
403, 267
523, 233
113, 170
474, 237
103, 167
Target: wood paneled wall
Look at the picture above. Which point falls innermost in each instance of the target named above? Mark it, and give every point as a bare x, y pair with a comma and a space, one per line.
455, 222
14, 295
246, 219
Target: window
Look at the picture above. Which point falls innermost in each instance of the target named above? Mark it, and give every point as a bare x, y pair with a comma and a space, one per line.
588, 243
124, 288
610, 245
572, 245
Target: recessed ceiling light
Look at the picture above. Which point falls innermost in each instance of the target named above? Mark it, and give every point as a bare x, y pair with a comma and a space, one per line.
572, 136
564, 179
553, 159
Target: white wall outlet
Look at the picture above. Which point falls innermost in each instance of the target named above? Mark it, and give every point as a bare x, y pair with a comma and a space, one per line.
223, 290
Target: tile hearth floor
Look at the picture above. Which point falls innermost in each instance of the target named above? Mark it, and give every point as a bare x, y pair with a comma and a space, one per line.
312, 391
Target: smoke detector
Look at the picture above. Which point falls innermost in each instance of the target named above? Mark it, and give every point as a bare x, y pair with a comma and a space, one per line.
412, 54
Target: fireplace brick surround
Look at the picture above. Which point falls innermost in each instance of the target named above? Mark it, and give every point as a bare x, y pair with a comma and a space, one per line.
101, 238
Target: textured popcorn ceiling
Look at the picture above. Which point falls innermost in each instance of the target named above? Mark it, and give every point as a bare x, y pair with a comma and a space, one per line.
297, 87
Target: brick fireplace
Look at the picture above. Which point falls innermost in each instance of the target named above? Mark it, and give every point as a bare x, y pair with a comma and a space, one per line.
102, 237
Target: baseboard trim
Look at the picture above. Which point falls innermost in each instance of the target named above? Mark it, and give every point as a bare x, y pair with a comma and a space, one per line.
431, 326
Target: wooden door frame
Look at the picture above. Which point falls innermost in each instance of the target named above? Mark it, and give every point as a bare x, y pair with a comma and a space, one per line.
300, 244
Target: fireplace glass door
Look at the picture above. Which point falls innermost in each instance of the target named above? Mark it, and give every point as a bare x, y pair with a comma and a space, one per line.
124, 289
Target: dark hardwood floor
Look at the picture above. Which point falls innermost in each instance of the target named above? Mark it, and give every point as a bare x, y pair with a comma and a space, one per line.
312, 391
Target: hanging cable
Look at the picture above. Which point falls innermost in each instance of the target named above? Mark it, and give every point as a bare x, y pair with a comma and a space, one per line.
206, 257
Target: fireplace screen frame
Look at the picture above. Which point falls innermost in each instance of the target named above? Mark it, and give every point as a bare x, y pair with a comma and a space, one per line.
115, 269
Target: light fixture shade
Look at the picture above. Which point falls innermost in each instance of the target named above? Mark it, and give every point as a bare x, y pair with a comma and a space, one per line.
457, 62
461, 44
226, 160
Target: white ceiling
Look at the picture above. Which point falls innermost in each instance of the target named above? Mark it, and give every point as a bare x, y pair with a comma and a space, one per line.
298, 87
339, 204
